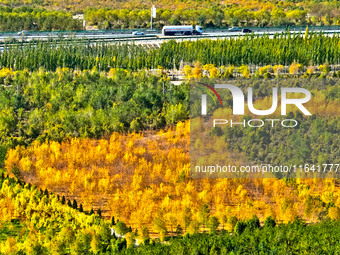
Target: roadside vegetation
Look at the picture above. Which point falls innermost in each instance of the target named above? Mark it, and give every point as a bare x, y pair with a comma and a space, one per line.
306, 49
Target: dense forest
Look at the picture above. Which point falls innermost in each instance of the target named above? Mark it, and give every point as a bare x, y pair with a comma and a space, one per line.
74, 128
50, 224
63, 104
44, 105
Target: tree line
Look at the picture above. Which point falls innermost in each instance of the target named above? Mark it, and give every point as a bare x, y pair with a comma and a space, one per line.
37, 19
282, 49
131, 14
215, 16
250, 237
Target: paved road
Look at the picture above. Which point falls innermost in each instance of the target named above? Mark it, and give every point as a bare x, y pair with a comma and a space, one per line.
27, 36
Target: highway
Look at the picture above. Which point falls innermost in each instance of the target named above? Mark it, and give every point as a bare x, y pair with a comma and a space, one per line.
149, 35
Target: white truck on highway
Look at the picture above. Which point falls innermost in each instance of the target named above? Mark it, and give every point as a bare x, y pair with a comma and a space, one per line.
182, 30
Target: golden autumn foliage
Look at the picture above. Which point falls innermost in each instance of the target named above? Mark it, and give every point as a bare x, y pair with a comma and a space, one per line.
334, 213
143, 179
295, 68
197, 71
244, 71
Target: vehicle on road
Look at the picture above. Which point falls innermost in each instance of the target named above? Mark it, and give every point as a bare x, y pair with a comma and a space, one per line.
246, 30
23, 32
137, 33
182, 30
234, 29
